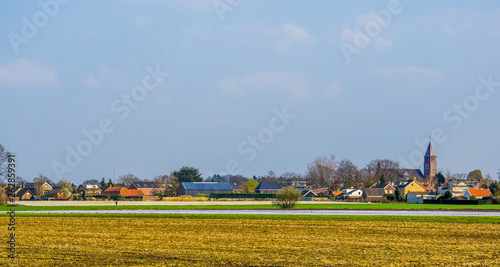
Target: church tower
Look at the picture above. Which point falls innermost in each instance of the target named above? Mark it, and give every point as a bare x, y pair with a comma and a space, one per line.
430, 165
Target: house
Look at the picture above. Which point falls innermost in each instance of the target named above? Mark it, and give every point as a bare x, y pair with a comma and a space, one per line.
429, 189
459, 189
32, 187
388, 188
374, 193
267, 188
56, 193
115, 191
205, 188
24, 194
410, 185
122, 191
144, 187
418, 197
477, 193
90, 189
317, 192
351, 194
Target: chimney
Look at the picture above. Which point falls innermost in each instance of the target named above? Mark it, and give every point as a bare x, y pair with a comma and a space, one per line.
23, 185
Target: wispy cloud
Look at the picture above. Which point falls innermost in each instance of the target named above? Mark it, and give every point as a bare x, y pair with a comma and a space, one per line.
24, 72
291, 84
413, 75
91, 81
288, 35
348, 35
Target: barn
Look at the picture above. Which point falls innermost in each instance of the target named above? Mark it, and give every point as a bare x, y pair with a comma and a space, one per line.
206, 188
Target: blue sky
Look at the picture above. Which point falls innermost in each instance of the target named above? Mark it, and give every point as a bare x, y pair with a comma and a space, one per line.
232, 67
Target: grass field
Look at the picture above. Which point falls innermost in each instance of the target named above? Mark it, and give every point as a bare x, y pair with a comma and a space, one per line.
133, 241
330, 218
333, 206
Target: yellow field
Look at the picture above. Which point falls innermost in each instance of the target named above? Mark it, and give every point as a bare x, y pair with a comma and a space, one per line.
94, 241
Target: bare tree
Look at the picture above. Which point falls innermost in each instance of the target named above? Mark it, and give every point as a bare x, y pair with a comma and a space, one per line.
292, 176
488, 179
460, 176
367, 177
160, 181
448, 174
348, 173
321, 171
270, 177
39, 182
4, 156
127, 179
385, 167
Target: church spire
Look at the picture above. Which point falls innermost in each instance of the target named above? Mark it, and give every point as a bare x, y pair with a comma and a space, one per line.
430, 151
430, 164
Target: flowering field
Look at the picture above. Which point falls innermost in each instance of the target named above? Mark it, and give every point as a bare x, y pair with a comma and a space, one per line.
101, 241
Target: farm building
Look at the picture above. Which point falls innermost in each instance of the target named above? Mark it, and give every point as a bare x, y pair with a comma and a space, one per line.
144, 188
267, 188
206, 188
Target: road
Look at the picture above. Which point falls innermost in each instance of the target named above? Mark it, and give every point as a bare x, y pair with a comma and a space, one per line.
284, 212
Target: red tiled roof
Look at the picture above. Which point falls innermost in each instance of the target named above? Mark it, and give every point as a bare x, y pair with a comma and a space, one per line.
113, 191
480, 192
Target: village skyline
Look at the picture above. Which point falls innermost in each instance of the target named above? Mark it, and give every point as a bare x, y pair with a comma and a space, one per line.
140, 87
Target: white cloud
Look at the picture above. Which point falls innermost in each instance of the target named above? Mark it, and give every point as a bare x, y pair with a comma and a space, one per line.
292, 84
230, 86
91, 81
334, 89
194, 4
287, 35
23, 72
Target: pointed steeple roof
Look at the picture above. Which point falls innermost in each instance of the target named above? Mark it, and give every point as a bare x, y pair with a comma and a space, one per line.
430, 151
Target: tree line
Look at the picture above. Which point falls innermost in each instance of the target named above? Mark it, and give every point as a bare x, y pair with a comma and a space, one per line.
319, 174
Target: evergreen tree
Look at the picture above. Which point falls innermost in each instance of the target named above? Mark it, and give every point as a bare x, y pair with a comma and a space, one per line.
382, 179
102, 183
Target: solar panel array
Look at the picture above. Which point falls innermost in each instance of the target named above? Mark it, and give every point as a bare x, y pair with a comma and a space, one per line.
207, 186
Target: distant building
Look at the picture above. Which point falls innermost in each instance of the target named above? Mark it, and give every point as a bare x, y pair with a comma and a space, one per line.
477, 193
410, 186
90, 189
144, 188
205, 188
430, 164
267, 188
398, 176
374, 194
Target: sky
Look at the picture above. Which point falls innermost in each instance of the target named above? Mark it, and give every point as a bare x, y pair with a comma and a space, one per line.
92, 89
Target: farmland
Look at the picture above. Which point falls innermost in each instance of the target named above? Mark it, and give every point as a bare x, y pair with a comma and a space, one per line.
189, 241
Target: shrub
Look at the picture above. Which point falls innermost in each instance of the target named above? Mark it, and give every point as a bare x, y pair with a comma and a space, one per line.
472, 198
286, 198
447, 195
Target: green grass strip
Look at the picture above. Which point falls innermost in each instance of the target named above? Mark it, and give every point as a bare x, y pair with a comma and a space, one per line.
357, 218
